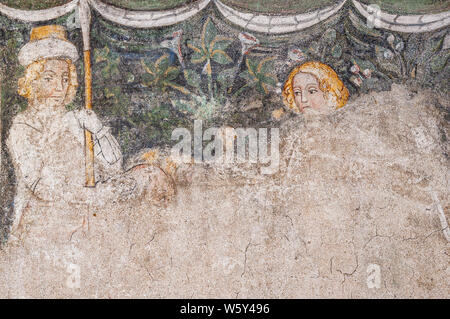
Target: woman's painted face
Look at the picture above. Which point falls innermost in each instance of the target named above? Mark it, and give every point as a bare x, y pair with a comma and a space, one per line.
307, 93
52, 85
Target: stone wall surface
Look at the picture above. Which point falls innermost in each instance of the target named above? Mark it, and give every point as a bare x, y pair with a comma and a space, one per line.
359, 191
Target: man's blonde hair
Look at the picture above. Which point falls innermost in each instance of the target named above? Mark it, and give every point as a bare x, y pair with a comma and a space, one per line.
33, 72
329, 83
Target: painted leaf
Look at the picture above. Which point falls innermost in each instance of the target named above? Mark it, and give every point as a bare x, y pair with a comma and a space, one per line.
268, 78
177, 87
336, 51
355, 41
220, 43
221, 57
261, 89
194, 47
209, 33
114, 70
163, 63
439, 61
149, 68
130, 78
265, 65
436, 44
329, 36
226, 76
147, 77
192, 78
246, 76
314, 48
390, 67
182, 105
198, 57
101, 54
252, 66
172, 73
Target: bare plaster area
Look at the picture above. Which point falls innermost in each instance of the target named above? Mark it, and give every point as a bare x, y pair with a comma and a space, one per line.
357, 210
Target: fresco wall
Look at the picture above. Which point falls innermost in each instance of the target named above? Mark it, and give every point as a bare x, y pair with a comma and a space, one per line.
342, 41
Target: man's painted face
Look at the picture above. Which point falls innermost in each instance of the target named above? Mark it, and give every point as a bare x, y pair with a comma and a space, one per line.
308, 96
52, 85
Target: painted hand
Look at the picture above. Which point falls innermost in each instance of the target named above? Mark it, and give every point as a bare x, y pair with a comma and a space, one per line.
89, 121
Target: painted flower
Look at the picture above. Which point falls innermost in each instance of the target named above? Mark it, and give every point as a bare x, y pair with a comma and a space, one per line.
248, 42
174, 44
356, 80
367, 73
390, 39
388, 54
355, 69
297, 55
278, 89
399, 46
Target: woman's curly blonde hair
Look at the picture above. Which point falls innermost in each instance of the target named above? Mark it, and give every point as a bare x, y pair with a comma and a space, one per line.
33, 72
329, 83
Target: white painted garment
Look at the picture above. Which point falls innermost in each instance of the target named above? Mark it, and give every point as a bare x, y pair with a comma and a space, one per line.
48, 152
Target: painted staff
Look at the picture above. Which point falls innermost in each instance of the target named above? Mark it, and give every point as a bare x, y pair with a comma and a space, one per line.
1, 121
85, 21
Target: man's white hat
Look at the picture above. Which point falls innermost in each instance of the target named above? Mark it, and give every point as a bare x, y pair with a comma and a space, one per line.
47, 42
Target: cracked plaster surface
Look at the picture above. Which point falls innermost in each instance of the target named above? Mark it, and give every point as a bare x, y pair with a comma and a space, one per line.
360, 187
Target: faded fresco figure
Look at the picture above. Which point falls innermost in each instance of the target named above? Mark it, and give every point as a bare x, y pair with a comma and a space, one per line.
314, 88
47, 143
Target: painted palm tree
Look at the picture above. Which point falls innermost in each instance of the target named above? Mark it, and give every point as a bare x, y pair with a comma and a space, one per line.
211, 48
259, 75
161, 74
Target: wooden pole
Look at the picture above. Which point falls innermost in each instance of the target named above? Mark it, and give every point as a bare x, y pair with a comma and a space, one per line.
89, 140
85, 21
1, 121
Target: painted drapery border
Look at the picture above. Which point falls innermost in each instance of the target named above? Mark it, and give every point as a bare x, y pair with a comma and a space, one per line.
270, 24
